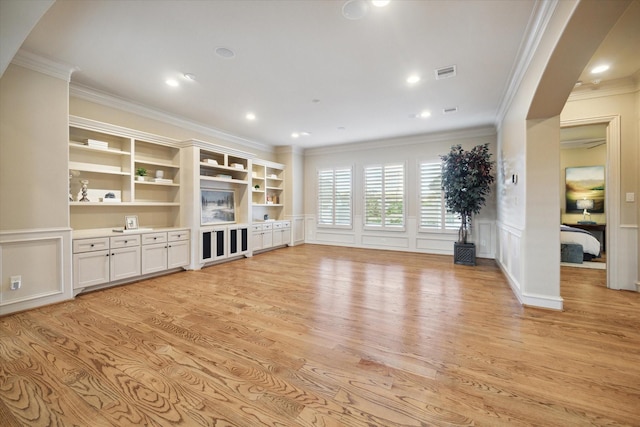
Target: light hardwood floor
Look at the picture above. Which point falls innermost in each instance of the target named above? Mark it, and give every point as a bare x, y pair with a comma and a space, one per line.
326, 336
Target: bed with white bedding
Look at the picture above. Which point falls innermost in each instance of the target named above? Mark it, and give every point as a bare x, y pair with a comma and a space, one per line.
576, 236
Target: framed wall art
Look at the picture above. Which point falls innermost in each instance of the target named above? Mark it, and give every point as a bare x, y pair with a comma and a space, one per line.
585, 183
217, 206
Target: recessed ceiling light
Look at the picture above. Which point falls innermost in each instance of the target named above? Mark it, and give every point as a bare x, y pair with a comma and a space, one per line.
250, 116
295, 135
342, 128
225, 52
172, 82
425, 114
315, 100
413, 79
599, 69
380, 3
189, 76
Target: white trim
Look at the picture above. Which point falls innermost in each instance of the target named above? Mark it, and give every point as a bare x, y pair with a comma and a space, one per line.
43, 65
542, 301
621, 86
62, 238
477, 132
539, 19
108, 100
81, 122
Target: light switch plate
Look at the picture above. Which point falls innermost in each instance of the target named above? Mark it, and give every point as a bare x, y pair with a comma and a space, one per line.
631, 197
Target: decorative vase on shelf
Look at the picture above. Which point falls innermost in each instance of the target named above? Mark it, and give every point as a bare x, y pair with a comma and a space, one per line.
85, 183
159, 174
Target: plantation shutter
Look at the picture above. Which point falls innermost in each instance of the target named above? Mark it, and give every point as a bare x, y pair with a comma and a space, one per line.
433, 211
335, 197
384, 195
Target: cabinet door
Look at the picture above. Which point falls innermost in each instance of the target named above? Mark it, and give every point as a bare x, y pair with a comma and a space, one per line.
154, 258
286, 236
178, 254
125, 262
256, 241
90, 268
277, 237
267, 239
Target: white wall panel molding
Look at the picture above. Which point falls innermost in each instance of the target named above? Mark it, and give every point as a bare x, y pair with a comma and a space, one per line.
297, 228
20, 250
509, 259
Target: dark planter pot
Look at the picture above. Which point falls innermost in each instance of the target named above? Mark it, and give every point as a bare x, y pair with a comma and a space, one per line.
464, 253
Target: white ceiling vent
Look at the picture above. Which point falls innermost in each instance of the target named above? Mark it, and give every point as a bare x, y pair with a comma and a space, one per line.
450, 110
445, 72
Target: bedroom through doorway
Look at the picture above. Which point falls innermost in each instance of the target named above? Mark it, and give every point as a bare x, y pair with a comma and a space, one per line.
583, 163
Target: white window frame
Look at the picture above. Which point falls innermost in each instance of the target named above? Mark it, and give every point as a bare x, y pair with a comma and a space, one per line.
334, 201
384, 184
449, 223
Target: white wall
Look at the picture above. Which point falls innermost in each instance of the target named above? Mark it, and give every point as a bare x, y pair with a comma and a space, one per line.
34, 213
410, 151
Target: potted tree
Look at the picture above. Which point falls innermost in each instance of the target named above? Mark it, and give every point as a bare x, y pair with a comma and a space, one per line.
466, 180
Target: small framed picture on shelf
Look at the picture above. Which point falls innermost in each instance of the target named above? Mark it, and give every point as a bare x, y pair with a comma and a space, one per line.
131, 222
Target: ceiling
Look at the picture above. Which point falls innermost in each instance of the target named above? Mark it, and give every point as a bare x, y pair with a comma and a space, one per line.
300, 66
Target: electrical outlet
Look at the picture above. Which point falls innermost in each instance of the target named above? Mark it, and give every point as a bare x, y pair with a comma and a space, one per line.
16, 282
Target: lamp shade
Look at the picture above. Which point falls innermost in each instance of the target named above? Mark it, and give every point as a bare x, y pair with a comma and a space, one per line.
585, 204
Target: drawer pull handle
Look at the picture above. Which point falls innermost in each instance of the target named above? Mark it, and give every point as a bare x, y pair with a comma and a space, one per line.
125, 242
155, 238
92, 245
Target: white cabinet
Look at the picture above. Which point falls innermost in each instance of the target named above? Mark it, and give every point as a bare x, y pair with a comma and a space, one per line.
270, 234
162, 251
178, 249
90, 262
100, 260
223, 242
238, 239
124, 257
154, 252
281, 233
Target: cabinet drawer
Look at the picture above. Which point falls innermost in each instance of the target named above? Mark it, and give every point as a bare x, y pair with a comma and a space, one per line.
125, 241
277, 225
151, 238
268, 226
174, 236
90, 245
256, 227
286, 224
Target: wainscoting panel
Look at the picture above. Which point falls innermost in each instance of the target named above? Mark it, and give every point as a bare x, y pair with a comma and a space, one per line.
509, 257
297, 229
385, 242
334, 238
42, 258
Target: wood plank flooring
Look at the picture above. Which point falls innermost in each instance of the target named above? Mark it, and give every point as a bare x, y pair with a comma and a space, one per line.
326, 336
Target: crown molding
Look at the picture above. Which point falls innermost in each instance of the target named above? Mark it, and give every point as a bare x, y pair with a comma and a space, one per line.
538, 22
607, 88
289, 149
43, 65
476, 132
92, 95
